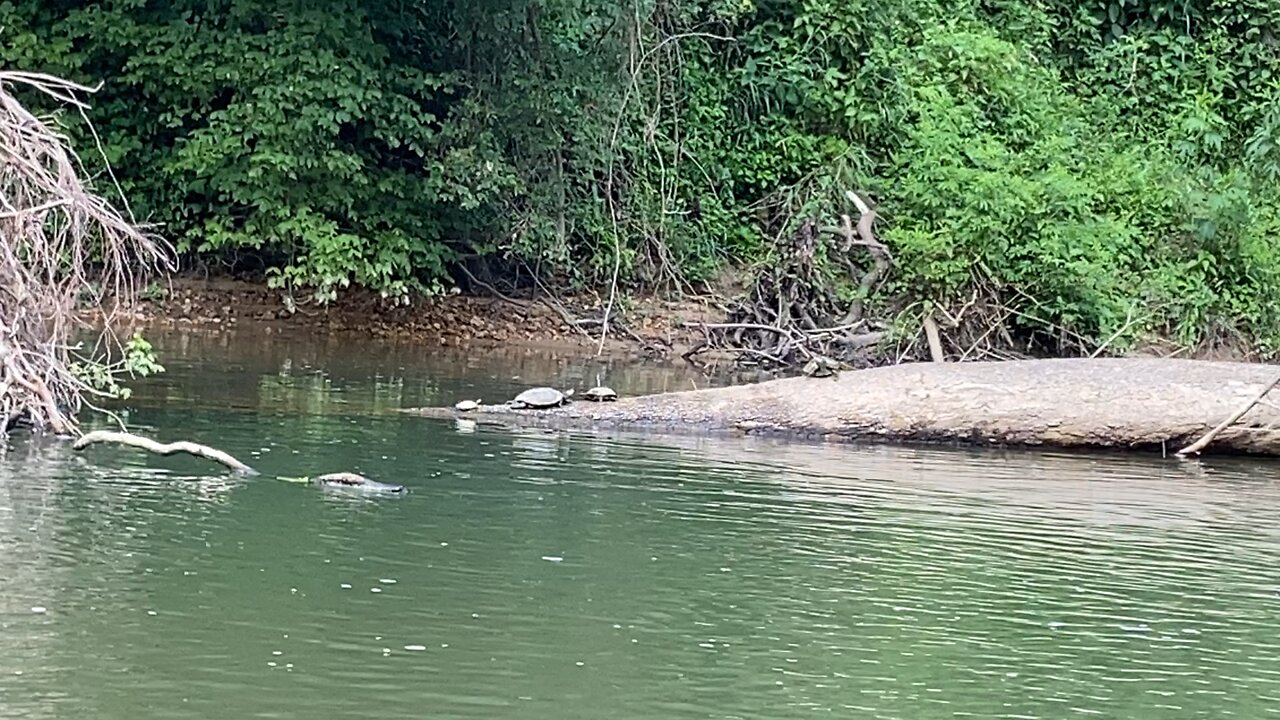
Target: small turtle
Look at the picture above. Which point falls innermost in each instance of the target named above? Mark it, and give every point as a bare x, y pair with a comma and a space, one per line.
822, 366
539, 398
600, 393
467, 405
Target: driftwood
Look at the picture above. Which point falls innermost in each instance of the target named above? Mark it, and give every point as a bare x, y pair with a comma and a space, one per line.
1128, 403
173, 448
346, 480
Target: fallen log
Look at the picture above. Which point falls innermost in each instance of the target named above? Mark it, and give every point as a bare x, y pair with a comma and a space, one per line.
341, 480
173, 448
1130, 403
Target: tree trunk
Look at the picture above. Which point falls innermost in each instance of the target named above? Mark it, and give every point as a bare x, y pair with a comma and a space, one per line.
1140, 403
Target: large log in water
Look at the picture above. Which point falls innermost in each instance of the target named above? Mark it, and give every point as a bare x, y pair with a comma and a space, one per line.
1143, 403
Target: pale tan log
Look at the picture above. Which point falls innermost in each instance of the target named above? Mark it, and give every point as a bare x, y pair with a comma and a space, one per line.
1148, 403
173, 448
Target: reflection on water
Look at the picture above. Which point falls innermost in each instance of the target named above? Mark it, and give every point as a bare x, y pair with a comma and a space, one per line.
318, 374
539, 574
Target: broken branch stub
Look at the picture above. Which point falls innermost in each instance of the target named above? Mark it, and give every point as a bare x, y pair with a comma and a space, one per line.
1232, 419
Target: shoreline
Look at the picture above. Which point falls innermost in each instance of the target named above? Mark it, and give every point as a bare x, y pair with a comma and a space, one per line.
1147, 402
654, 327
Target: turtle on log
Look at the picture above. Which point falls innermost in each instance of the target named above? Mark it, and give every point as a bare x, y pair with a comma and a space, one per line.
600, 393
822, 366
539, 398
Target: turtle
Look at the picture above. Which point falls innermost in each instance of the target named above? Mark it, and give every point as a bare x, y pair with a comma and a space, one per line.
352, 481
600, 393
467, 405
539, 398
822, 366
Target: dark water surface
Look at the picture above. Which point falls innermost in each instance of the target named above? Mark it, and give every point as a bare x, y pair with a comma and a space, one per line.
550, 576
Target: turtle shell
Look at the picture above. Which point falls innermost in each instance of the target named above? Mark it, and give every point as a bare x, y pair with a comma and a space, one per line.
353, 480
540, 397
601, 393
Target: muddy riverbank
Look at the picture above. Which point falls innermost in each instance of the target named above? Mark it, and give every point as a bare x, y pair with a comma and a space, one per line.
641, 328
652, 327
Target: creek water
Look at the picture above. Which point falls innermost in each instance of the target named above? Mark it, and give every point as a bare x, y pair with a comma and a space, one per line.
552, 575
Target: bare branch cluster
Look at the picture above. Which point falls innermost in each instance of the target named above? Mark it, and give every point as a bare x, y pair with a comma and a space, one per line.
791, 314
61, 244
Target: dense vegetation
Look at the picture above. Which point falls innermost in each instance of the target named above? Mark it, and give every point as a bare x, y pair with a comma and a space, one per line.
1089, 169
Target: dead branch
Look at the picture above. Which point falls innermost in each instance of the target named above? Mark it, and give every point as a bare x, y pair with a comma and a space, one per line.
60, 245
934, 337
549, 299
1208, 437
1130, 320
173, 448
792, 310
490, 288
739, 326
869, 280
861, 340
881, 259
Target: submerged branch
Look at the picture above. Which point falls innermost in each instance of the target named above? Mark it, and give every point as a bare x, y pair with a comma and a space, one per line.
173, 448
336, 480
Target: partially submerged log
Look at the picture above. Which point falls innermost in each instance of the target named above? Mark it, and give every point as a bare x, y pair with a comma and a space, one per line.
343, 480
353, 481
173, 448
1131, 403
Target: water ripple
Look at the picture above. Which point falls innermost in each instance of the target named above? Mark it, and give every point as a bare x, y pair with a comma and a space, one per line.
550, 575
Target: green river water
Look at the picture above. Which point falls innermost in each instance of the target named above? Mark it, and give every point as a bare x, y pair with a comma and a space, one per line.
551, 576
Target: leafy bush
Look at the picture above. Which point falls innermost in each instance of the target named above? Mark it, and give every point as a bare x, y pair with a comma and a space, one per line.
1098, 168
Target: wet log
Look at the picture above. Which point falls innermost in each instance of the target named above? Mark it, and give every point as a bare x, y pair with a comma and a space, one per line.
343, 480
173, 448
1126, 403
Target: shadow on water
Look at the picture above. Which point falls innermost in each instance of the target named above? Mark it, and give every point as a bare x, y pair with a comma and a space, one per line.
545, 574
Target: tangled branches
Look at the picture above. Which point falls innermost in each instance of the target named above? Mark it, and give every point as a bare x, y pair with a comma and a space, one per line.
60, 244
792, 311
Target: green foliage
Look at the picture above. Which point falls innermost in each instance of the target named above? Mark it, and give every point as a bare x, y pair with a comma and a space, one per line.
1093, 188
104, 377
1097, 168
